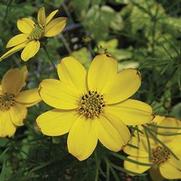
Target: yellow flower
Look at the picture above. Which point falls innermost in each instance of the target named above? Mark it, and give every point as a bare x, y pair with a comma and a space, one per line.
13, 101
92, 105
31, 34
164, 158
165, 124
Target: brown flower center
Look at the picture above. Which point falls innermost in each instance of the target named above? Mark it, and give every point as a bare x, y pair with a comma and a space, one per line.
37, 33
6, 101
91, 105
160, 155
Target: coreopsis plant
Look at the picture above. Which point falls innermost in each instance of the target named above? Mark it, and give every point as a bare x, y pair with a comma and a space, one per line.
156, 147
32, 32
92, 105
14, 101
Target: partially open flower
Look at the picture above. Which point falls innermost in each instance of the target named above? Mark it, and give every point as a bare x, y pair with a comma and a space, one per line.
14, 102
92, 105
32, 32
161, 150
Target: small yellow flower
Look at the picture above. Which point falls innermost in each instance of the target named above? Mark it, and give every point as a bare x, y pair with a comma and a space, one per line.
14, 102
166, 159
32, 32
92, 105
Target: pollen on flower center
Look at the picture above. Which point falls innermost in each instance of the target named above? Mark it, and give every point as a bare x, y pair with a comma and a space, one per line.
91, 105
160, 155
6, 101
36, 34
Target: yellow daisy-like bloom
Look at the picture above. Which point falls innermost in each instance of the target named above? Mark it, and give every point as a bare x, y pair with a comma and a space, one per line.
14, 102
92, 105
165, 159
29, 39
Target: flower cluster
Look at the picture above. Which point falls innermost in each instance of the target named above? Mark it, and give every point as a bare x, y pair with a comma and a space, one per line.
32, 32
92, 106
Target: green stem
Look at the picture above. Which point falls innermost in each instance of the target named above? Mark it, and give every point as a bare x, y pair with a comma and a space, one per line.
164, 134
97, 166
7, 9
148, 143
124, 170
107, 169
122, 157
159, 141
48, 55
163, 127
66, 44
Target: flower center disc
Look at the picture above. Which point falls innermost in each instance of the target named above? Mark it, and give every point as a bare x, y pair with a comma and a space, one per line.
91, 105
36, 34
160, 155
6, 101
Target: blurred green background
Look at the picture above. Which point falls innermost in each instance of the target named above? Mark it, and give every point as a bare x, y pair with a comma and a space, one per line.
143, 34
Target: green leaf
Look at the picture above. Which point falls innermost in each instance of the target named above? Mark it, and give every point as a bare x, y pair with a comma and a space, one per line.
176, 111
6, 171
83, 55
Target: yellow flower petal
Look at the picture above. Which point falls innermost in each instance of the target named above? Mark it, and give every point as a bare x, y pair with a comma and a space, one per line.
24, 71
25, 25
13, 81
82, 138
30, 50
123, 86
17, 114
56, 122
41, 17
13, 50
50, 16
134, 167
175, 162
169, 171
28, 97
1, 91
55, 26
137, 147
131, 112
167, 122
120, 126
110, 136
6, 126
16, 40
72, 73
173, 144
158, 119
58, 95
101, 73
